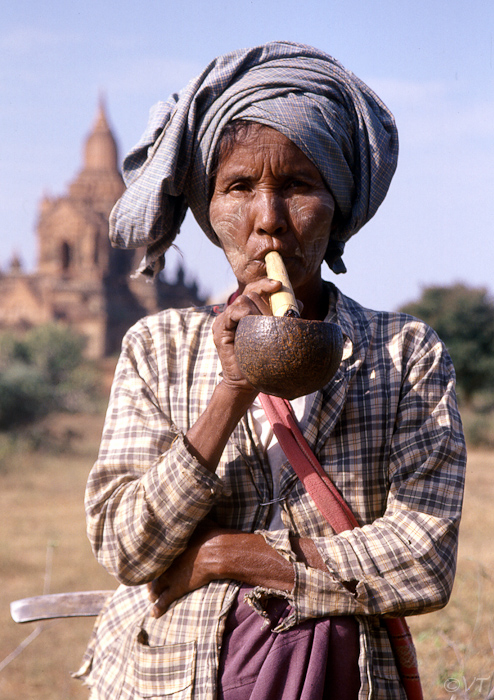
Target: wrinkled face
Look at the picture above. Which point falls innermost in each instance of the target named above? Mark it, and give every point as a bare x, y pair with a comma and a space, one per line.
269, 196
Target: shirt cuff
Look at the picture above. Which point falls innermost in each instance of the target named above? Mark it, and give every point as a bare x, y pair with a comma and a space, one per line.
258, 597
315, 593
190, 481
280, 541
319, 594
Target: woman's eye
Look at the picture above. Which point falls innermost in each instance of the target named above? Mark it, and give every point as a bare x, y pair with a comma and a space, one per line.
298, 184
239, 187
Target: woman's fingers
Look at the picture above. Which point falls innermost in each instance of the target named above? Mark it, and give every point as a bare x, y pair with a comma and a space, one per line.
156, 587
163, 591
188, 572
160, 595
253, 301
162, 603
259, 292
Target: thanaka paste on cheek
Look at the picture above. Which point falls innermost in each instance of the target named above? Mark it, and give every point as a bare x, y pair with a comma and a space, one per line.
227, 227
317, 229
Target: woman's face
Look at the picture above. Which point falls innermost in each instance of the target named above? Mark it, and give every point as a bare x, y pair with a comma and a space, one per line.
269, 196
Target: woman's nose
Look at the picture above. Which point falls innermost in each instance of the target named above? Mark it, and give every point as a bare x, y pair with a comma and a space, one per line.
271, 214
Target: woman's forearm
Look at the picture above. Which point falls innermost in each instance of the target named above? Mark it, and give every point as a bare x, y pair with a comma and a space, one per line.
207, 438
216, 554
248, 558
234, 395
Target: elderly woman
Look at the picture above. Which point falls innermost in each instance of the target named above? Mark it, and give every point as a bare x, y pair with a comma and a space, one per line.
192, 505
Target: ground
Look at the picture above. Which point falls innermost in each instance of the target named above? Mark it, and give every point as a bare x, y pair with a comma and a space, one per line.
43, 544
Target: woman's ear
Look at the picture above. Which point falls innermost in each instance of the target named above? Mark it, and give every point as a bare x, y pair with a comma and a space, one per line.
336, 221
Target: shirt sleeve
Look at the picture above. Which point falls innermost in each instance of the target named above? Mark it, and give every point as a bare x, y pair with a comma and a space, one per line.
146, 493
404, 562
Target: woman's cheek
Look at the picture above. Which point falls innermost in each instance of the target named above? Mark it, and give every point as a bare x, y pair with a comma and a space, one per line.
228, 226
313, 226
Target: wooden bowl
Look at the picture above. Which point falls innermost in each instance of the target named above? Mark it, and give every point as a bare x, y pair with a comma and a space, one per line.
288, 357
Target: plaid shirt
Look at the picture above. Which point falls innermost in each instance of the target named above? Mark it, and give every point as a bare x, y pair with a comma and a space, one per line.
387, 430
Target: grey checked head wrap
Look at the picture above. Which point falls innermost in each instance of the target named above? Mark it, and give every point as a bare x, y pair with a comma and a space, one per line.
331, 115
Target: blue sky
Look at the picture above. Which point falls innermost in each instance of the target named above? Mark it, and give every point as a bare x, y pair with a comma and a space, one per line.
432, 62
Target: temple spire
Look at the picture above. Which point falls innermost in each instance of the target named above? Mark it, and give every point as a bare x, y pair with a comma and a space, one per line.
100, 151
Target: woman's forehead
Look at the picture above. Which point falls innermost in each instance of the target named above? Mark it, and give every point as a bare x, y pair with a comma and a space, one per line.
261, 146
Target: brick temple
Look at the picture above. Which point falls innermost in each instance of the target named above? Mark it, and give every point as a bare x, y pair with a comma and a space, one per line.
80, 279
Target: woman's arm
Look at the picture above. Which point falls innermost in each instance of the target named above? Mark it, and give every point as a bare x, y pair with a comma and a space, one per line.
234, 395
152, 485
403, 562
217, 554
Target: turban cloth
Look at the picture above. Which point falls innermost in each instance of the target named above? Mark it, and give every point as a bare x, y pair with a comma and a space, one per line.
335, 119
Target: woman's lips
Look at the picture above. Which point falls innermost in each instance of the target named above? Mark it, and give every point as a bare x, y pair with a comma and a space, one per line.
285, 255
292, 263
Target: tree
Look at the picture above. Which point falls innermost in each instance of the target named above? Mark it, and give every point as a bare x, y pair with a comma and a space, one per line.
463, 317
40, 372
24, 395
54, 350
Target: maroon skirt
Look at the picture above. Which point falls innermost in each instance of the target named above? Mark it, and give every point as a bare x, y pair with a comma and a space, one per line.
316, 660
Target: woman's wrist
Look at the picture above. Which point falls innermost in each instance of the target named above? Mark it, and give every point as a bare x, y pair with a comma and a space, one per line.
238, 395
307, 553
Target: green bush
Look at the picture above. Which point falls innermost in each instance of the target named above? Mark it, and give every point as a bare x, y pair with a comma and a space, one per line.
479, 428
54, 350
463, 317
11, 350
24, 395
42, 371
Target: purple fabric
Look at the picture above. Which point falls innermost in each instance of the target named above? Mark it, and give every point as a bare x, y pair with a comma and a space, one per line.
317, 660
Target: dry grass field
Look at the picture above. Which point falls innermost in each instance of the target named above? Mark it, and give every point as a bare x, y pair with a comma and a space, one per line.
456, 644
41, 511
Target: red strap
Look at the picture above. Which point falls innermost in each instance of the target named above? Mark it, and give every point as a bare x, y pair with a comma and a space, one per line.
324, 493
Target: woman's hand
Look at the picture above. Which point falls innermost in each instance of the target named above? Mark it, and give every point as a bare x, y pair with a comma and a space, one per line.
191, 570
253, 301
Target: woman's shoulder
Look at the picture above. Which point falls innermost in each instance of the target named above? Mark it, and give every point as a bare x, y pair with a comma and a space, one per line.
396, 331
394, 321
191, 319
170, 328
